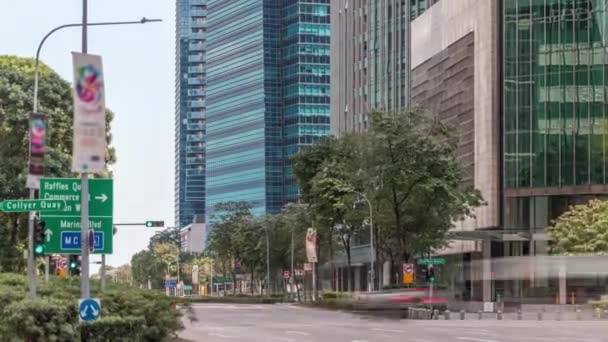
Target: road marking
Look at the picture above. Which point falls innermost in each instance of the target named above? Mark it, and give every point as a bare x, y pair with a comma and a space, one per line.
389, 330
293, 332
359, 341
474, 339
219, 335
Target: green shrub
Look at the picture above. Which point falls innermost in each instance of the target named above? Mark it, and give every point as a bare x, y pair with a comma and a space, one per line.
599, 304
113, 329
40, 320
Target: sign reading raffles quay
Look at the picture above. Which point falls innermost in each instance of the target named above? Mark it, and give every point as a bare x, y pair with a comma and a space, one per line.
89, 114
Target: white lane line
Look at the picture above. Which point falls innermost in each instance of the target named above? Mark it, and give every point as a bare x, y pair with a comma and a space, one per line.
474, 339
294, 332
359, 341
219, 335
389, 330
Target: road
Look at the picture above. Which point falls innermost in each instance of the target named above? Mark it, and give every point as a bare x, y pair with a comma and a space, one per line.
292, 323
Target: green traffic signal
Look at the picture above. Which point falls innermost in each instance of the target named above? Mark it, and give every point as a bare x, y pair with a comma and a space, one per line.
73, 264
39, 249
151, 224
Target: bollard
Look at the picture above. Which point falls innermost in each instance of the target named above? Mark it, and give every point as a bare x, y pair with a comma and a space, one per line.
480, 313
435, 314
462, 313
540, 315
499, 315
520, 315
558, 315
598, 313
578, 315
446, 314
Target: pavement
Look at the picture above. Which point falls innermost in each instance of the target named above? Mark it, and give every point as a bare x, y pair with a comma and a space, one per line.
294, 323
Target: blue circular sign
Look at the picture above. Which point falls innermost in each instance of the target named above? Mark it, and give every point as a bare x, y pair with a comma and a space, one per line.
89, 309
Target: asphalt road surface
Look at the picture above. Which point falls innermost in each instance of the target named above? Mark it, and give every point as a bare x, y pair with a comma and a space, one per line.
292, 323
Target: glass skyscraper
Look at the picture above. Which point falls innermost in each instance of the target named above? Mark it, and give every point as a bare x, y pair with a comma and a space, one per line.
268, 94
190, 111
555, 105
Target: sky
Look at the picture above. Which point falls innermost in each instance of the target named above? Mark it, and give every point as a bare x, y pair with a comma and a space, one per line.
138, 63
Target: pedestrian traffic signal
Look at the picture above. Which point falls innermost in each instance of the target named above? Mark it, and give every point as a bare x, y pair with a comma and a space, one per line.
39, 237
152, 224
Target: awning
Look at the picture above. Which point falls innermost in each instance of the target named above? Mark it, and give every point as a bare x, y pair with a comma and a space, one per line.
500, 235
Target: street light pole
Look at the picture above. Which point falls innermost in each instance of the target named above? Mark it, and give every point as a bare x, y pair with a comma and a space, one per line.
267, 262
371, 242
31, 266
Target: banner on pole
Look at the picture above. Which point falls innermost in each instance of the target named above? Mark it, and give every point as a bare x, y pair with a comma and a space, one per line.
89, 146
311, 245
37, 145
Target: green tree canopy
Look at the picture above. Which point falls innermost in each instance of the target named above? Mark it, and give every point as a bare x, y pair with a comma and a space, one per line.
582, 230
55, 101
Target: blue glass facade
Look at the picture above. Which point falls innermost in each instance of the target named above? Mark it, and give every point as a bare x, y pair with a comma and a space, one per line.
268, 94
190, 111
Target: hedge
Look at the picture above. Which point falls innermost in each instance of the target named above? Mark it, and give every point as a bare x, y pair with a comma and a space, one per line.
128, 314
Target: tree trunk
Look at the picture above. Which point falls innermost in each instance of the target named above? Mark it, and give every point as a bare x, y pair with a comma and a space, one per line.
251, 283
349, 272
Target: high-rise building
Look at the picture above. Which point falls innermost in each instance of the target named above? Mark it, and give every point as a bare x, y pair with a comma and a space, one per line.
523, 84
190, 111
268, 95
370, 58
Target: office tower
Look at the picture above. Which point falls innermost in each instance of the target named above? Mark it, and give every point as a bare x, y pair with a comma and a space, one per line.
190, 111
268, 95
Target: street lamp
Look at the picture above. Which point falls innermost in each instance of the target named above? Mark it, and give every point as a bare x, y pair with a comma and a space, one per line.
371, 241
31, 267
143, 20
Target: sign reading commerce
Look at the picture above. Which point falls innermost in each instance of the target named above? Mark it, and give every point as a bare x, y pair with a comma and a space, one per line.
64, 224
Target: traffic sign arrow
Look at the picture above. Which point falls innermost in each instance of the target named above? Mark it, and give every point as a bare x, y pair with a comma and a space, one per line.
48, 233
103, 198
95, 312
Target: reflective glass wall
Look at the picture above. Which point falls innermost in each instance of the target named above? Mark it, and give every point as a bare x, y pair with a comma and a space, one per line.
555, 101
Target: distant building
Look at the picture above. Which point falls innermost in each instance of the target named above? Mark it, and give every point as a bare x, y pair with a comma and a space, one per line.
190, 109
193, 238
268, 95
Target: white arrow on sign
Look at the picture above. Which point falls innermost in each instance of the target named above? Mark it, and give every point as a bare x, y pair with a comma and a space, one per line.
95, 312
83, 313
48, 233
103, 198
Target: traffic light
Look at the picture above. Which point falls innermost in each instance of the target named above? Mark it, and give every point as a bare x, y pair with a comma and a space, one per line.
430, 275
74, 265
39, 237
153, 224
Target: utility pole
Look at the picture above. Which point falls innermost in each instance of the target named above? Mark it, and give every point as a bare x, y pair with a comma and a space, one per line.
84, 194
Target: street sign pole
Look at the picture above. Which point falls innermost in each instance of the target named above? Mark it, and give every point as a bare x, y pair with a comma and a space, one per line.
84, 196
31, 265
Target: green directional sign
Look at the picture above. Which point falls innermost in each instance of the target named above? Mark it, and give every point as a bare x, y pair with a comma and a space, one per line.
63, 226
20, 206
431, 261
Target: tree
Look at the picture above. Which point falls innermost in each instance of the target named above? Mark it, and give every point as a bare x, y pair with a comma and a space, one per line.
583, 229
55, 99
146, 266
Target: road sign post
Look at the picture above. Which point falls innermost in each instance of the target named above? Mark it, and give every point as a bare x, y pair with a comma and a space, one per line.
63, 235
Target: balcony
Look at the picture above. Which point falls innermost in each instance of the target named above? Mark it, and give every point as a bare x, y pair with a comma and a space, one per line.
198, 13
197, 104
196, 81
197, 70
195, 126
195, 160
195, 138
195, 149
196, 47
198, 2
195, 172
199, 23
196, 58
196, 92
196, 116
198, 35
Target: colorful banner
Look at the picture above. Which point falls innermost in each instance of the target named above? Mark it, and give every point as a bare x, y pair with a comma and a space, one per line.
89, 114
37, 136
311, 245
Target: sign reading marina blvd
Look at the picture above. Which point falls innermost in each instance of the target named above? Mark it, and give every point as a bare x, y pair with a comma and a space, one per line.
16, 206
63, 226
